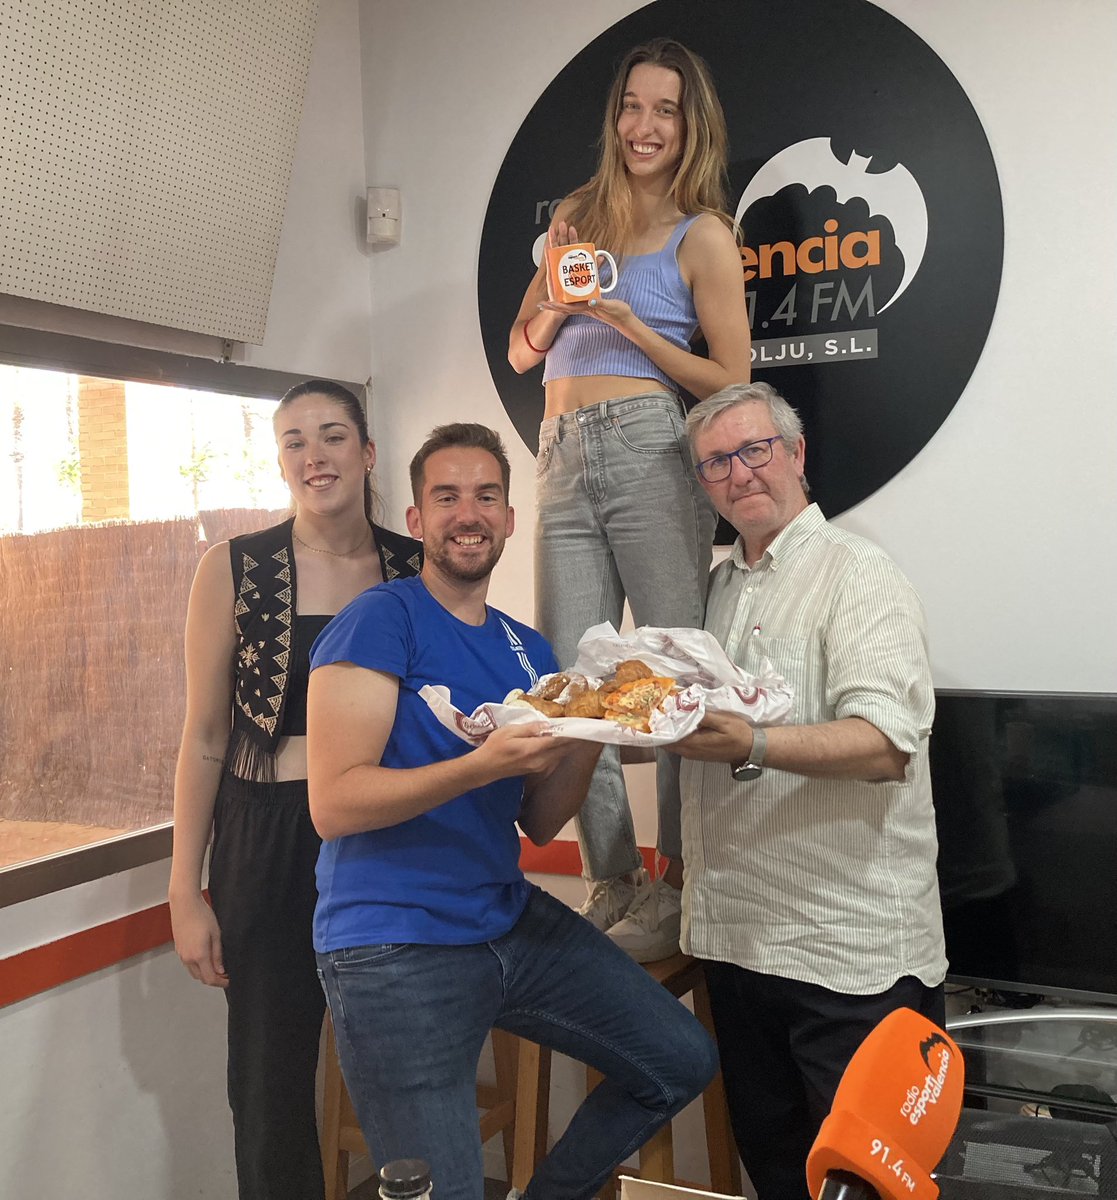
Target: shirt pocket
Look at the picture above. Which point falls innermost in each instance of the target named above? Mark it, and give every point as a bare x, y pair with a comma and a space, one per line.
786, 653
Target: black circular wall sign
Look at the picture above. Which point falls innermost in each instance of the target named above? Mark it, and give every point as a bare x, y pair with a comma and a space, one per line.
869, 204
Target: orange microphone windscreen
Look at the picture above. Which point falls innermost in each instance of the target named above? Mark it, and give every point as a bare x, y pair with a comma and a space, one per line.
895, 1110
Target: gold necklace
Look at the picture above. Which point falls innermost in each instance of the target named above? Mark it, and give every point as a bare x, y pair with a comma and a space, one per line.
332, 553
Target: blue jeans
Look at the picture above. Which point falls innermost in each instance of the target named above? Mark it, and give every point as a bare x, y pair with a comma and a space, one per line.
411, 1020
620, 514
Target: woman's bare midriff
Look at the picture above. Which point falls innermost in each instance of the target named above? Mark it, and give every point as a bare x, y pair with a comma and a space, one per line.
290, 759
576, 391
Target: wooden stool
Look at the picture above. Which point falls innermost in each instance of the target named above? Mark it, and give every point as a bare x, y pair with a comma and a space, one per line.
341, 1134
679, 974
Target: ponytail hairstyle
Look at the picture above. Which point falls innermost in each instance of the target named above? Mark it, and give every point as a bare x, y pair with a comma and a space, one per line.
602, 208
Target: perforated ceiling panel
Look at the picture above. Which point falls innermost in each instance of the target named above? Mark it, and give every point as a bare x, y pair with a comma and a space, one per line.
145, 154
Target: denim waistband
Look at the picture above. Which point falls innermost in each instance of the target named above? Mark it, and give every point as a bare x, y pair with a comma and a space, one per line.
609, 410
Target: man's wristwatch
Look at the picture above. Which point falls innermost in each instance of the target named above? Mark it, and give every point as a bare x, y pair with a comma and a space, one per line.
753, 766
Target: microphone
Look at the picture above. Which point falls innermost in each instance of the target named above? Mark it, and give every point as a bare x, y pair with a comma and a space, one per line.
893, 1116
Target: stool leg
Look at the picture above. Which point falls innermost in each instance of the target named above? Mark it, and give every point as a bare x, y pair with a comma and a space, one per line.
533, 1107
341, 1179
335, 1161
657, 1157
721, 1146
506, 1059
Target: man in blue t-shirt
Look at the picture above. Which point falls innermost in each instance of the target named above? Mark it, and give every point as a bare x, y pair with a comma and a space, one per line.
428, 935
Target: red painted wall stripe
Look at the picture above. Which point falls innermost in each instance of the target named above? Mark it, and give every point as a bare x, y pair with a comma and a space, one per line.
44, 967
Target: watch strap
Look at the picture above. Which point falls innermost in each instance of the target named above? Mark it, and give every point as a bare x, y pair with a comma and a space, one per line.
759, 747
752, 767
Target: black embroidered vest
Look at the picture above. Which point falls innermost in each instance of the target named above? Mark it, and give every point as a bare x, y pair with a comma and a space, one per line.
264, 587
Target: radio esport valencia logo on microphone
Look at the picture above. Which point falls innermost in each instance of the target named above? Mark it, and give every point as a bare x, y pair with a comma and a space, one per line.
920, 1096
868, 202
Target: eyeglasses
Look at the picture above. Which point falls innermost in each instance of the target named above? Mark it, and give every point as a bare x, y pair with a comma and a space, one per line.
752, 454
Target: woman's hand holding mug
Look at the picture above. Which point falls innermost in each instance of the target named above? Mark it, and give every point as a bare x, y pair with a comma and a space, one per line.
574, 281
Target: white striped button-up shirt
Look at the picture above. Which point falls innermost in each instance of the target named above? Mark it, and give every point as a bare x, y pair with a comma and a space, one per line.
828, 881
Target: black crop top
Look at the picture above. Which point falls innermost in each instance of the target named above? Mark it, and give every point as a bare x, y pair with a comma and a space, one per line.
294, 711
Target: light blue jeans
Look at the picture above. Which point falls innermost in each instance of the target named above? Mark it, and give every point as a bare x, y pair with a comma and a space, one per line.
620, 514
411, 1020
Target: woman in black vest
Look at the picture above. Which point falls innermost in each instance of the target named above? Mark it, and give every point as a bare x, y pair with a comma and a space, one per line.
257, 604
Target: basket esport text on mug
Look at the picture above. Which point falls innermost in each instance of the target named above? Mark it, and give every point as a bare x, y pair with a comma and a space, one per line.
574, 272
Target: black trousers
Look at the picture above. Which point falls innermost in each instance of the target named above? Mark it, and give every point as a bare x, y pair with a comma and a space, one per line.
262, 887
783, 1047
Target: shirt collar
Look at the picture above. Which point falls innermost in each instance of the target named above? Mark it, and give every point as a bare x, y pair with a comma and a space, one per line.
797, 531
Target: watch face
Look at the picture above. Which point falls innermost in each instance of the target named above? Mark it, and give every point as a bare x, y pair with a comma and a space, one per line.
747, 770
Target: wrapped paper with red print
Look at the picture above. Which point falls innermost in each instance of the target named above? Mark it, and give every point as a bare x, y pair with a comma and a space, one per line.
705, 680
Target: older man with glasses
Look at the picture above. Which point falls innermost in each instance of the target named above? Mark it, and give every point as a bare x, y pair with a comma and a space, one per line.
810, 890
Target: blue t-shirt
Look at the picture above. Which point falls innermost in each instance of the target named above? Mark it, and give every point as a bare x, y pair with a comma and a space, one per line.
450, 876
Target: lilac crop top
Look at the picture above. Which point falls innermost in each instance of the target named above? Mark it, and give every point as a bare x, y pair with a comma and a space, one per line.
652, 286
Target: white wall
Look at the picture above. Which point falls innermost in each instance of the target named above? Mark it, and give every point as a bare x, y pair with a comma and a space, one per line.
1002, 522
438, 120
112, 1085
318, 320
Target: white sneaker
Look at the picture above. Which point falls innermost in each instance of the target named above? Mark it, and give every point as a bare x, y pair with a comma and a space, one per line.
609, 899
649, 931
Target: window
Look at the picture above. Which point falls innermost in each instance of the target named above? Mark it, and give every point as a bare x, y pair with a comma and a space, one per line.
109, 493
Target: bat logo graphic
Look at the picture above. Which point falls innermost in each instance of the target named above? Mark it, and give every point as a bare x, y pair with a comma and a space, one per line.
926, 1046
894, 194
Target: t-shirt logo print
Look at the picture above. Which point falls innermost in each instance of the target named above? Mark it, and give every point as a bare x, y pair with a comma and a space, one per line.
520, 652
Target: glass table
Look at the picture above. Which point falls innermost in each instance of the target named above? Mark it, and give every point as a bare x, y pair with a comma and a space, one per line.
1041, 1115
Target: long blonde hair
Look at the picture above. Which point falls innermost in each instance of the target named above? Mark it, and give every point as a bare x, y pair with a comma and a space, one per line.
602, 208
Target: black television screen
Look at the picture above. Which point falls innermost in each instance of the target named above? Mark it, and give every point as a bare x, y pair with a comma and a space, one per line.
1025, 789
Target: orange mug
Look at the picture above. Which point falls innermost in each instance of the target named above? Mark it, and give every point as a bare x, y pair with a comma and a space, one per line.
574, 273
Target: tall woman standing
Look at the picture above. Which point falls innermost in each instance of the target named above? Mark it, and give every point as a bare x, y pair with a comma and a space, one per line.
620, 512
256, 606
